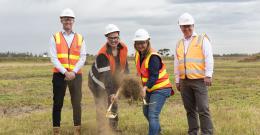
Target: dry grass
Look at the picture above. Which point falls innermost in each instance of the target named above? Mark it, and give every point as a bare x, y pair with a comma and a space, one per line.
26, 102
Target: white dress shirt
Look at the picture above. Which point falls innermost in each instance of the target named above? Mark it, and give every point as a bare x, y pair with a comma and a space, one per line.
53, 53
208, 54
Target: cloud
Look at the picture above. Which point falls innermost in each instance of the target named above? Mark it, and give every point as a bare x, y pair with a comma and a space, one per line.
207, 1
28, 24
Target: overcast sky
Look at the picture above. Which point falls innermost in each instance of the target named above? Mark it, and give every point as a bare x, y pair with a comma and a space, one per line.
233, 26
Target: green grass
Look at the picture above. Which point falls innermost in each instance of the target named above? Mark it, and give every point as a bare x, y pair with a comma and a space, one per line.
26, 102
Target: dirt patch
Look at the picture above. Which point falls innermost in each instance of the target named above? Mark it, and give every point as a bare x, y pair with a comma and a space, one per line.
253, 58
17, 111
24, 64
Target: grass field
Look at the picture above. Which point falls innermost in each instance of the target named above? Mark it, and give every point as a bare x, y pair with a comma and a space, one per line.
26, 102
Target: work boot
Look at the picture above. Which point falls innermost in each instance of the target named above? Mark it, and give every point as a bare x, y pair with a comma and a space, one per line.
114, 126
56, 130
77, 130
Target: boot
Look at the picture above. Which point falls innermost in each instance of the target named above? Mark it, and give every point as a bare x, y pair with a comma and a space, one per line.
114, 126
56, 130
77, 130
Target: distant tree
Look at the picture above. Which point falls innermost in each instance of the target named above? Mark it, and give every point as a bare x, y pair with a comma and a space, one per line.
164, 52
235, 55
216, 55
15, 54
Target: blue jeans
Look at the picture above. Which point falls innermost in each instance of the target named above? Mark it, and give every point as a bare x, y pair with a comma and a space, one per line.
156, 100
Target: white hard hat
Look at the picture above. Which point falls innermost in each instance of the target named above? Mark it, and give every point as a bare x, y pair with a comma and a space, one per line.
186, 19
111, 28
67, 13
141, 35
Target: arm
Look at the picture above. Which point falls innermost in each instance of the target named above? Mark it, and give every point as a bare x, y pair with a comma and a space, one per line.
54, 59
209, 61
154, 67
106, 75
176, 70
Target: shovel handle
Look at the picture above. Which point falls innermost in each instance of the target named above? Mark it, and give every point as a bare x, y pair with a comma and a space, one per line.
117, 93
110, 106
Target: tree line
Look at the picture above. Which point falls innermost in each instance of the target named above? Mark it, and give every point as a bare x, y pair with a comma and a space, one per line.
165, 52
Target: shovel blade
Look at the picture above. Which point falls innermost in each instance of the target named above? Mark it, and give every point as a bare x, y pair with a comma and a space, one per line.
111, 115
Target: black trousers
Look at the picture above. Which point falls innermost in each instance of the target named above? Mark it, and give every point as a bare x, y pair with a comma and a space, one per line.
59, 90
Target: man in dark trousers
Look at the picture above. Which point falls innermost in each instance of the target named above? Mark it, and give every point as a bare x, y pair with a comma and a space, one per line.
104, 77
68, 56
193, 68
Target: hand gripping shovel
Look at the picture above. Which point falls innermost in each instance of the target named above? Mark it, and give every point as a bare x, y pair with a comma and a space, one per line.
109, 113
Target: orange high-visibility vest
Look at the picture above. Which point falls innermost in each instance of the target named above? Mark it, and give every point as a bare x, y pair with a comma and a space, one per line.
122, 57
191, 64
68, 57
142, 70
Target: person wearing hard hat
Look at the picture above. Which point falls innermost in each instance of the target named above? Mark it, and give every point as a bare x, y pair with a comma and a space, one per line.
68, 55
155, 79
105, 75
193, 68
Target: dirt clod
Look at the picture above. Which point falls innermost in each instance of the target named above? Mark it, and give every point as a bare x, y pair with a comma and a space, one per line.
131, 88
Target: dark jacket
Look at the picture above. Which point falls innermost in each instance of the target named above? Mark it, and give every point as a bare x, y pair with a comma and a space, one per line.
109, 80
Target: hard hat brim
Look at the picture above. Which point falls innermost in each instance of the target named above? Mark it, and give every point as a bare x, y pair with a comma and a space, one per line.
111, 32
67, 16
186, 24
141, 39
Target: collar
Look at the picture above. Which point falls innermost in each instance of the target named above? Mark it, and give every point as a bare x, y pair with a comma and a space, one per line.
193, 35
109, 49
64, 33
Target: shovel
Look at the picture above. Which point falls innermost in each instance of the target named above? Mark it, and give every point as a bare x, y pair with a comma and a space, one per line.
109, 113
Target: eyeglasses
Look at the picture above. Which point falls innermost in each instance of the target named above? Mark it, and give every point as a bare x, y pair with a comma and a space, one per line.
186, 26
112, 38
66, 19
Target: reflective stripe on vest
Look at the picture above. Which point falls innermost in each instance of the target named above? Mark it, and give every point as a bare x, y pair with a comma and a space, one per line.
191, 64
101, 84
142, 70
64, 55
68, 57
103, 69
